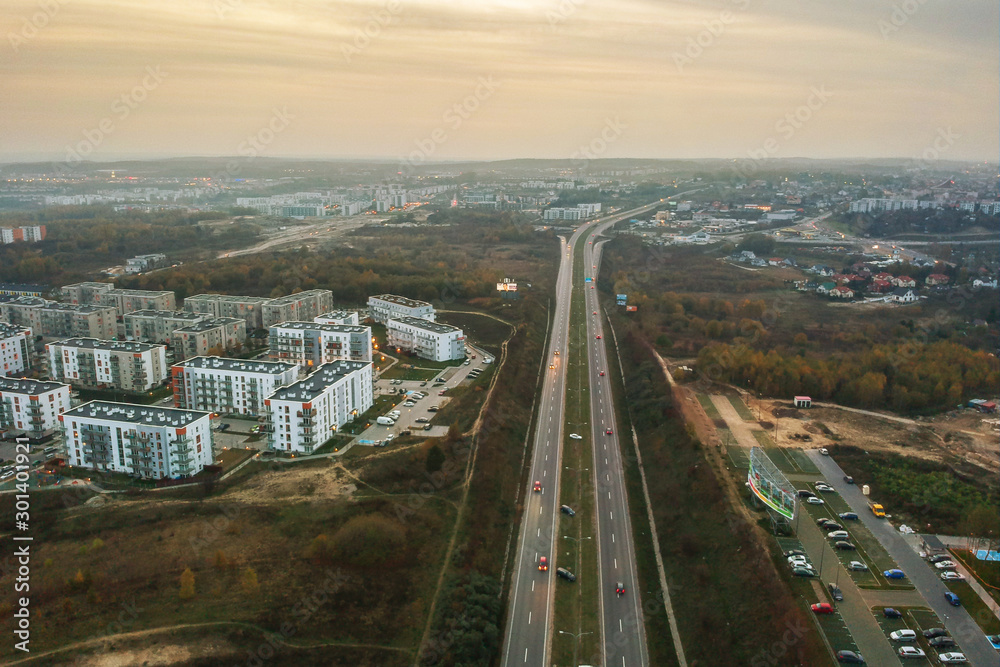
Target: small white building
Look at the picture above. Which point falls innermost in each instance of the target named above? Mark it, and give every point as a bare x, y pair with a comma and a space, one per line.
144, 440
311, 345
430, 340
348, 317
15, 349
229, 386
904, 295
32, 407
304, 415
92, 362
385, 307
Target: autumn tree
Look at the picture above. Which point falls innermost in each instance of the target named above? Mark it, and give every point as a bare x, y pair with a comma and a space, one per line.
187, 584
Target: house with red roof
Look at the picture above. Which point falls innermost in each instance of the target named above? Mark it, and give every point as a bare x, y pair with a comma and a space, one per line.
905, 281
937, 279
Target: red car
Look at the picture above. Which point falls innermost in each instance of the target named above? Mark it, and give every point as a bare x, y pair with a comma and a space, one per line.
537, 487
620, 589
543, 564
602, 373
598, 336
595, 312
609, 432
822, 608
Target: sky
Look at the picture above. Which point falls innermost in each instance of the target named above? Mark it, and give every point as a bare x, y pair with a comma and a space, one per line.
426, 80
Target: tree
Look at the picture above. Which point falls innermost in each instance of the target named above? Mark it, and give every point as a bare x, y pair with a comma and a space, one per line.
187, 584
249, 580
219, 560
435, 459
319, 549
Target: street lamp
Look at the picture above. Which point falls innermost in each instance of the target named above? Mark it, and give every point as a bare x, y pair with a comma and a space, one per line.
576, 640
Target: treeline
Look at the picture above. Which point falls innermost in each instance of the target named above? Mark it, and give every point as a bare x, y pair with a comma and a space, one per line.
924, 221
905, 376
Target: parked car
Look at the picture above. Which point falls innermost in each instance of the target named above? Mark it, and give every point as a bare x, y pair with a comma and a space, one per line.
903, 636
566, 509
803, 572
823, 521
911, 652
931, 633
835, 592
838, 535
951, 658
946, 565
952, 576
824, 451
822, 608
795, 552
850, 516
798, 561
857, 566
850, 657
843, 546
421, 420
814, 501
575, 436
805, 493
565, 574
833, 525
894, 573
937, 558
952, 599
889, 612
942, 642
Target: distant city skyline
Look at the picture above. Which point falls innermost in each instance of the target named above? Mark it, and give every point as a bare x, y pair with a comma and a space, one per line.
415, 81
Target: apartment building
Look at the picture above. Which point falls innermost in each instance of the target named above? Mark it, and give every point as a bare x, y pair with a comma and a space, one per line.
19, 289
300, 307
84, 293
229, 386
31, 407
338, 317
304, 415
157, 326
311, 345
16, 343
131, 300
430, 340
197, 339
30, 234
248, 308
57, 320
141, 263
141, 440
91, 362
385, 307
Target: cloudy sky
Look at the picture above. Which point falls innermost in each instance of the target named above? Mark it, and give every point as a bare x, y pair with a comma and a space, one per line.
493, 79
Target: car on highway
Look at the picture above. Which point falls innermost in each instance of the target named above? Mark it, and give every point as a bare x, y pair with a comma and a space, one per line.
952, 658
620, 588
952, 576
942, 642
609, 432
931, 633
565, 574
803, 572
566, 509
575, 436
889, 612
849, 516
857, 566
543, 564
894, 573
850, 657
595, 312
822, 608
946, 565
602, 373
552, 366
903, 636
843, 545
835, 592
813, 500
952, 599
537, 487
911, 652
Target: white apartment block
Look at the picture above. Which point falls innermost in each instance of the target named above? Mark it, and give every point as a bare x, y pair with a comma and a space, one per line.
311, 345
338, 317
578, 212
57, 320
84, 293
141, 263
16, 343
385, 307
31, 407
299, 307
138, 439
304, 415
26, 234
229, 386
197, 339
97, 363
430, 340
248, 308
157, 326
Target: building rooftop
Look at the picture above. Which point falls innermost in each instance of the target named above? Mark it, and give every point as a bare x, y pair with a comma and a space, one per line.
24, 287
292, 298
168, 314
311, 387
34, 301
426, 325
240, 365
337, 315
316, 326
98, 344
227, 297
400, 300
8, 330
91, 285
26, 386
138, 292
135, 414
77, 307
205, 325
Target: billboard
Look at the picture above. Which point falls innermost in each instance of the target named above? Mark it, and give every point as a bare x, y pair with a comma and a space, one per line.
770, 486
622, 299
631, 309
506, 287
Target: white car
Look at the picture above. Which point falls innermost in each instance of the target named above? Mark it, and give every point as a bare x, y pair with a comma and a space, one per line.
903, 636
408, 404
813, 500
952, 657
798, 559
857, 566
946, 565
576, 436
911, 652
952, 576
838, 535
824, 451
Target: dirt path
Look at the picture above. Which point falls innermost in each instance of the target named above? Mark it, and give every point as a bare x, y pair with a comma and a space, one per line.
742, 431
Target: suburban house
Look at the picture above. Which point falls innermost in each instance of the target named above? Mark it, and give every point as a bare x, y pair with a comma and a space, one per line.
904, 295
880, 286
888, 277
905, 281
842, 292
937, 279
826, 288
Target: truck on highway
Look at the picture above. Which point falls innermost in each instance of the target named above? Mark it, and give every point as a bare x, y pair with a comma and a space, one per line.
876, 509
385, 421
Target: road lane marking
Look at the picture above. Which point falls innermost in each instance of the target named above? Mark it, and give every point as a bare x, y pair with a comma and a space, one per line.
529, 618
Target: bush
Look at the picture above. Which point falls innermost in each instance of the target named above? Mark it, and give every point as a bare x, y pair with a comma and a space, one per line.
369, 541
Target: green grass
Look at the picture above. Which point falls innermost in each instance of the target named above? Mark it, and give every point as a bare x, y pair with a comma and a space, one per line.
988, 572
741, 408
803, 462
974, 604
836, 632
397, 372
710, 409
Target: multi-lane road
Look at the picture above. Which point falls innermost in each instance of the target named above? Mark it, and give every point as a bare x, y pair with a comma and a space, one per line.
528, 633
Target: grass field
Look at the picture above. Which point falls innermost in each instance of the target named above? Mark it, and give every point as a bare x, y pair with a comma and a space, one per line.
741, 408
988, 572
710, 409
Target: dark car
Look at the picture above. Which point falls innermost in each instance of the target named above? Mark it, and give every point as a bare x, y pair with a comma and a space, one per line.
421, 420
850, 516
565, 574
937, 558
620, 588
803, 572
952, 599
805, 493
844, 546
795, 552
832, 525
935, 632
889, 612
942, 642
822, 522
835, 592
850, 656
566, 509
848, 479
224, 427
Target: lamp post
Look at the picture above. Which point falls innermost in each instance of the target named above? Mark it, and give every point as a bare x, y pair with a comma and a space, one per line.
576, 640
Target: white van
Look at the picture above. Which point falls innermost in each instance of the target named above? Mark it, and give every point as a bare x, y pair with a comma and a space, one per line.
385, 421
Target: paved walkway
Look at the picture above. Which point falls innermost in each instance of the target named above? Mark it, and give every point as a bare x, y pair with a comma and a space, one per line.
740, 429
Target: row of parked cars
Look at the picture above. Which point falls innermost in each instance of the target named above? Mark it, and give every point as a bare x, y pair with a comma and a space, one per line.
937, 638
